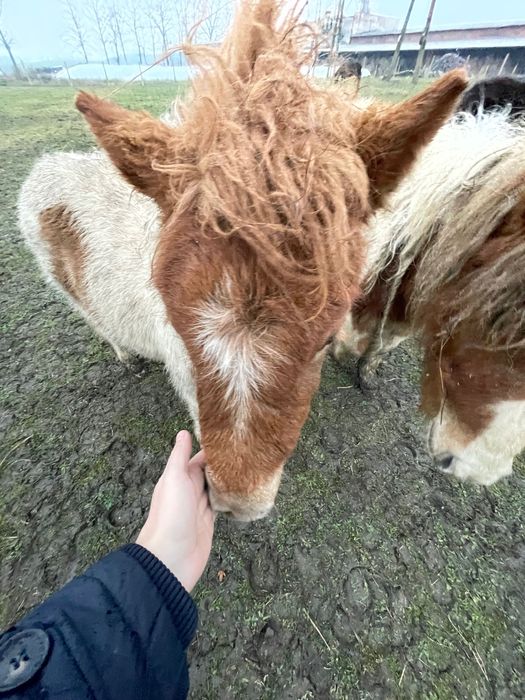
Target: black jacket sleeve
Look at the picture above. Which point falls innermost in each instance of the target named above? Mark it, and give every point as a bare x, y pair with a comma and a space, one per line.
118, 632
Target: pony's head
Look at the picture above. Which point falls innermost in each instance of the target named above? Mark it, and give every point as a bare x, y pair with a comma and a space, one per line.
473, 384
264, 188
474, 397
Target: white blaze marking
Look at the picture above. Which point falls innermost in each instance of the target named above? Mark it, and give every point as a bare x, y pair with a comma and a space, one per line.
237, 356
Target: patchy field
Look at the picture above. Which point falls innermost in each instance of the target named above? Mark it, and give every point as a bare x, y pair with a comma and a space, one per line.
376, 577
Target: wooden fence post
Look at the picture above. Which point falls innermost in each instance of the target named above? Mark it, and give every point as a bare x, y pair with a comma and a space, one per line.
503, 63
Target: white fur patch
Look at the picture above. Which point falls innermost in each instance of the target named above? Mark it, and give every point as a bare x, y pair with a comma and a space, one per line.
239, 358
488, 457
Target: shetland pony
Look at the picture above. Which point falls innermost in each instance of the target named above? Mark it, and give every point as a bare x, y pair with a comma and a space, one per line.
447, 263
229, 246
349, 68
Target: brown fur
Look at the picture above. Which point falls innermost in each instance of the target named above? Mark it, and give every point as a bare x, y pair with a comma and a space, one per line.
308, 178
471, 340
58, 230
368, 308
350, 68
147, 141
462, 374
389, 138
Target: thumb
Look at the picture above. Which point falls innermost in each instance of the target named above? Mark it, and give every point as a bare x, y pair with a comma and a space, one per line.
180, 455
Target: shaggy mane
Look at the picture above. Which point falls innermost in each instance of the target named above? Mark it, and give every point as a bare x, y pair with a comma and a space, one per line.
463, 187
270, 162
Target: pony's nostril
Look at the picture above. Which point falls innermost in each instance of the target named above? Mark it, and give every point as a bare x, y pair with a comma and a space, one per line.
444, 461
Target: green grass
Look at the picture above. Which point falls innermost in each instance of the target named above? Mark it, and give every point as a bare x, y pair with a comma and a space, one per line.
392, 90
45, 116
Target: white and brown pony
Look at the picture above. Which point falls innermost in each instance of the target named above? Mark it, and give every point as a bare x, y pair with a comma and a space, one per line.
232, 247
447, 263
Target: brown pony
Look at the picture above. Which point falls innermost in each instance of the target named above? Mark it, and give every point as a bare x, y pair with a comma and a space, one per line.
238, 252
349, 68
447, 263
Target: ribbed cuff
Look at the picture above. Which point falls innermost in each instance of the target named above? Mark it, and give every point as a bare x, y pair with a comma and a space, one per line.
178, 601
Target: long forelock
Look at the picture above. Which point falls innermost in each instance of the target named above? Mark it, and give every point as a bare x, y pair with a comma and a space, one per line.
265, 156
463, 186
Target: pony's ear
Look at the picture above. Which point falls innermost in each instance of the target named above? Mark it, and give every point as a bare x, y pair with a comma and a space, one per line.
389, 137
135, 142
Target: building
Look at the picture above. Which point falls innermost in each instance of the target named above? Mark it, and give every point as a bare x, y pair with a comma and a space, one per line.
487, 47
359, 23
366, 22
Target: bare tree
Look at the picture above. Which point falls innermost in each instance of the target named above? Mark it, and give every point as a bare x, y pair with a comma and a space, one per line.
6, 41
213, 17
113, 36
208, 18
115, 30
135, 23
152, 32
162, 21
76, 31
97, 14
120, 24
185, 13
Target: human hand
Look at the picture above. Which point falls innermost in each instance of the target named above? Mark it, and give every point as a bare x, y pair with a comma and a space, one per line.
179, 527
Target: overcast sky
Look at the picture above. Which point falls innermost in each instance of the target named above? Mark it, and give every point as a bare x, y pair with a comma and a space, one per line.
38, 28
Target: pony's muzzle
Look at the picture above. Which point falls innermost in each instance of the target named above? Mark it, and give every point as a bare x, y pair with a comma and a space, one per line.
236, 510
444, 461
254, 505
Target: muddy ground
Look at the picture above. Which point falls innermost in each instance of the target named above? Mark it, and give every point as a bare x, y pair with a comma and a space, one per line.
376, 577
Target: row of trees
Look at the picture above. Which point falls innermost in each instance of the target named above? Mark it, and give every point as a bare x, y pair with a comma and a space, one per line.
115, 29
118, 29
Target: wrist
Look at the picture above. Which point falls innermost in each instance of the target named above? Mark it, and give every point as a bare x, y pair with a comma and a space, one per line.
178, 569
176, 596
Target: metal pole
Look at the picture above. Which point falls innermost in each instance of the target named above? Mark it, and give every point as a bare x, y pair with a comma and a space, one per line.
395, 58
423, 43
